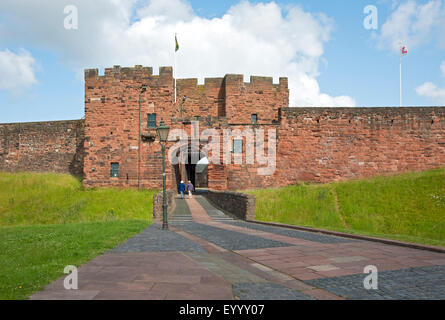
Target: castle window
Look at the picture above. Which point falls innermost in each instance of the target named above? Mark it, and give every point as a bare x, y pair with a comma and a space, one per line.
114, 172
254, 119
151, 120
238, 146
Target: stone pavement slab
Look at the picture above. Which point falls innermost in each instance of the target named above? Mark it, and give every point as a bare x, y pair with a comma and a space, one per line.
181, 213
348, 259
142, 276
224, 269
206, 255
325, 267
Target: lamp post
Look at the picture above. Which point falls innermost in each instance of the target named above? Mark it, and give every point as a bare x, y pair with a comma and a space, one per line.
143, 89
162, 132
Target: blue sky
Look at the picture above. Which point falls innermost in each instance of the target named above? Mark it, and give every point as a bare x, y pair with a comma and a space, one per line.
340, 63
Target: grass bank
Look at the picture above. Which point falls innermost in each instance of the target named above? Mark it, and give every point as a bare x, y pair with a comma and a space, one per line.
31, 257
407, 207
32, 198
48, 221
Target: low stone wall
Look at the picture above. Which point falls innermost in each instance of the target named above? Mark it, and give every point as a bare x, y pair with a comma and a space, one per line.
157, 203
239, 204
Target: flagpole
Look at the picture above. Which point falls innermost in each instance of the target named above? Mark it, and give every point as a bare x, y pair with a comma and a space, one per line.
174, 71
401, 78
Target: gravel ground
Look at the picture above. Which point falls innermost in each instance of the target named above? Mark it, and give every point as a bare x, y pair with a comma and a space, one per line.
266, 291
426, 283
230, 240
316, 237
155, 239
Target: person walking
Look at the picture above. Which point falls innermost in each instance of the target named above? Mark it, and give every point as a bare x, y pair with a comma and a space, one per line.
190, 188
182, 189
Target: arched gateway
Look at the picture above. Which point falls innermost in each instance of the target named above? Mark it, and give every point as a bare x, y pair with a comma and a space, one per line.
192, 165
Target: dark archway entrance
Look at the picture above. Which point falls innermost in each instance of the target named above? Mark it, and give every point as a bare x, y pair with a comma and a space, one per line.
193, 166
191, 172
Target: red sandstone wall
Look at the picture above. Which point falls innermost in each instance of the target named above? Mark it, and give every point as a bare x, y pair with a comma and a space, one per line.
314, 144
112, 115
232, 176
331, 144
245, 176
260, 97
201, 101
111, 125
232, 98
55, 146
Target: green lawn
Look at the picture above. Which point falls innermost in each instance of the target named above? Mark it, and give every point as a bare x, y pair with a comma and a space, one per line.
408, 207
48, 221
31, 257
32, 198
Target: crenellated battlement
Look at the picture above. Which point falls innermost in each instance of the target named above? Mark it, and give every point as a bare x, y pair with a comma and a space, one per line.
193, 82
233, 81
140, 72
229, 96
129, 73
214, 82
255, 81
232, 97
206, 99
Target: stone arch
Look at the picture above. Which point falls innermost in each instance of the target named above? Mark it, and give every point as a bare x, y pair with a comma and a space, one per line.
188, 167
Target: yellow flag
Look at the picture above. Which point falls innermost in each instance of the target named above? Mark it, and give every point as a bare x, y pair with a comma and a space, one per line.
176, 44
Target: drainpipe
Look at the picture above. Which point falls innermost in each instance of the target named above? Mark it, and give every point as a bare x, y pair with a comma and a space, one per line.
143, 88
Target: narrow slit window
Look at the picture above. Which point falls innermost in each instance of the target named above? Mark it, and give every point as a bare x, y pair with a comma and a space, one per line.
114, 170
151, 120
238, 146
254, 118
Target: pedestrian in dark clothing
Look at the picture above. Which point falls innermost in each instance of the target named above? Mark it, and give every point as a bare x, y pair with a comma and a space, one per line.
182, 189
190, 188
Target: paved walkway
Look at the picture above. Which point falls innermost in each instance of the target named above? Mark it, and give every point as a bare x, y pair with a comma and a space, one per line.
208, 255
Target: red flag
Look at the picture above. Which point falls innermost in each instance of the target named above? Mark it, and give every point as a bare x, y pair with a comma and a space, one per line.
404, 51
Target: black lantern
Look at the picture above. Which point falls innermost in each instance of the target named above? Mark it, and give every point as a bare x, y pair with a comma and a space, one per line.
162, 131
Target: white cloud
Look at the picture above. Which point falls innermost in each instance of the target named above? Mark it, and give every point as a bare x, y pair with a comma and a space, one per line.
412, 24
17, 71
431, 91
171, 10
250, 39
